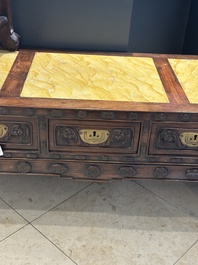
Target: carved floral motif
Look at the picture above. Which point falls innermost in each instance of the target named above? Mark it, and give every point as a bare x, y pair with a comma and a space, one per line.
58, 168
133, 116
66, 136
159, 116
3, 111
126, 172
29, 112
82, 114
121, 137
108, 115
69, 136
24, 167
56, 113
161, 172
128, 158
184, 116
167, 138
18, 133
93, 172
192, 173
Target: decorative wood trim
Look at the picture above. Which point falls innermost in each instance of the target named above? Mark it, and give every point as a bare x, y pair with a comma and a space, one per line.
170, 82
10, 92
96, 105
14, 82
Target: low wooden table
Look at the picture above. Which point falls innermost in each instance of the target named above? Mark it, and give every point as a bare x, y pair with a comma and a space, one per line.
99, 117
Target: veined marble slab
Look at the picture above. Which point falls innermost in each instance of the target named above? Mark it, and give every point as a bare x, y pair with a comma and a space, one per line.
94, 77
6, 61
187, 74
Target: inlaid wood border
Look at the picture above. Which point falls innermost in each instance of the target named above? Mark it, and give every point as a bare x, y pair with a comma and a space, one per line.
15, 80
13, 85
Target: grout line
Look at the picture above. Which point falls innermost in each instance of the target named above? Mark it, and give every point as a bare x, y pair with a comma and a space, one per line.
185, 252
53, 243
42, 235
175, 206
15, 210
17, 214
13, 233
30, 222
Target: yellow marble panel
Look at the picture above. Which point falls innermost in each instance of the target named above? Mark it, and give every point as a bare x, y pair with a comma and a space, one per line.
187, 74
6, 61
93, 77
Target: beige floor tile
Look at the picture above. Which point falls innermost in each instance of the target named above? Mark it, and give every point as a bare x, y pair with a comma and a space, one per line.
119, 223
191, 257
182, 194
10, 221
29, 247
31, 196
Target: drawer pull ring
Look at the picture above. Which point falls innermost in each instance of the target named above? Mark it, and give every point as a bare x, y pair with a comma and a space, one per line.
189, 139
93, 136
3, 130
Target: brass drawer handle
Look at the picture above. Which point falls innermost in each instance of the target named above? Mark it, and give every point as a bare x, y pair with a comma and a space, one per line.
93, 136
189, 139
3, 130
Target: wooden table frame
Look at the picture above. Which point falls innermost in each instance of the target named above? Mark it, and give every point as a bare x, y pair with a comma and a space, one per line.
157, 122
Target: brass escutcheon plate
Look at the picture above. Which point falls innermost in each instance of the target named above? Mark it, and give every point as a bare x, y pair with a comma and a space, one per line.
189, 139
94, 136
3, 130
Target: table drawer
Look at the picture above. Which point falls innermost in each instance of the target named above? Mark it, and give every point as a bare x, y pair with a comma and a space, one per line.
17, 133
174, 139
91, 136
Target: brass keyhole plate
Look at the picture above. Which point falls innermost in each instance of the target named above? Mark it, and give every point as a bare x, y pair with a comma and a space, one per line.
94, 136
189, 139
3, 130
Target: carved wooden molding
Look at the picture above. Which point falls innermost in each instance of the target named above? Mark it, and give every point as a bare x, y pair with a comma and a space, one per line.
9, 39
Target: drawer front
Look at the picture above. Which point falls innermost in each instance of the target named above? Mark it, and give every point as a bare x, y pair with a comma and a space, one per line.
17, 134
174, 139
91, 136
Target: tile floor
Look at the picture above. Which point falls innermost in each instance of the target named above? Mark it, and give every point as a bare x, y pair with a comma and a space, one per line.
46, 220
